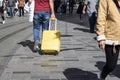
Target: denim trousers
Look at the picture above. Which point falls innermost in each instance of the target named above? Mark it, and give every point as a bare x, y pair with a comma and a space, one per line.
11, 11
92, 21
111, 59
41, 18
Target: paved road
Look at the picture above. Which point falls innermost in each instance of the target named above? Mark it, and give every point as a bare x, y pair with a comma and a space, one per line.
79, 57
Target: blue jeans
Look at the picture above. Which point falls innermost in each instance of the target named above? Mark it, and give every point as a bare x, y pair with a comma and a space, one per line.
92, 21
11, 11
40, 18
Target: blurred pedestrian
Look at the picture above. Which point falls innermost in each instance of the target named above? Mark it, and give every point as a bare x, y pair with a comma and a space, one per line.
2, 8
91, 12
108, 33
71, 5
56, 5
80, 9
21, 4
62, 7
43, 11
11, 6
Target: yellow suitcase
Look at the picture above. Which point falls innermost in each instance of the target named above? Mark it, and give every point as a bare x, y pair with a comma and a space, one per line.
51, 40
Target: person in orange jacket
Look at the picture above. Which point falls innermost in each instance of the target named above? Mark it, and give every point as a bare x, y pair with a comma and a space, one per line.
108, 33
21, 4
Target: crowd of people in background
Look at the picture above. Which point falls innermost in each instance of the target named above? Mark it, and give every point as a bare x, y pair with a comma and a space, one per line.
60, 6
107, 18
11, 7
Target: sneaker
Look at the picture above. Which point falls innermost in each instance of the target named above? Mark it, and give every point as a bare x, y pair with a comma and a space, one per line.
36, 46
3, 22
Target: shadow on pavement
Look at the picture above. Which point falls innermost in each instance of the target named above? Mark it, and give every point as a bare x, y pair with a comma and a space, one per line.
115, 72
78, 74
30, 44
27, 43
100, 65
81, 29
73, 18
66, 35
71, 49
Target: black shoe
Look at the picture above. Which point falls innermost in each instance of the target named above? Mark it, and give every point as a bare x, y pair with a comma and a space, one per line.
92, 31
101, 77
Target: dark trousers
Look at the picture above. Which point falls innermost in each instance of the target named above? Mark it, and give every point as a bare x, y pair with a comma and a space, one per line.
111, 60
2, 13
71, 8
64, 8
92, 22
56, 5
21, 11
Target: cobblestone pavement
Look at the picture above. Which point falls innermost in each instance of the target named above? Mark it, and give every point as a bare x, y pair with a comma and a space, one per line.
79, 59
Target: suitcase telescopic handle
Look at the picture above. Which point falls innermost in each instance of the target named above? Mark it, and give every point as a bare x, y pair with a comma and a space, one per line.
53, 19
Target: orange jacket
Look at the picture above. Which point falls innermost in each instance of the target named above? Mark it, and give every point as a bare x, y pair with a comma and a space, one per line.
108, 22
21, 3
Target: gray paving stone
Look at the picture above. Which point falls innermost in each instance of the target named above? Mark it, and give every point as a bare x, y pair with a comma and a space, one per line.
79, 59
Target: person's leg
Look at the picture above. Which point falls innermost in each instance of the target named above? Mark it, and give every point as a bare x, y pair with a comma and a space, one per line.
36, 26
22, 11
2, 14
92, 21
64, 8
111, 60
12, 10
45, 22
11, 15
69, 8
59, 10
8, 11
72, 8
3, 17
36, 30
19, 11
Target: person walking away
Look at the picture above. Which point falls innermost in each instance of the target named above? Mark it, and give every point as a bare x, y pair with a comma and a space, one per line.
91, 12
56, 5
108, 33
11, 6
2, 8
71, 5
62, 6
80, 9
43, 11
21, 4
65, 6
